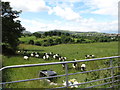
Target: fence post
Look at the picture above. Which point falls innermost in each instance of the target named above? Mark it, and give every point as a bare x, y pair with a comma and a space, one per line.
112, 71
66, 72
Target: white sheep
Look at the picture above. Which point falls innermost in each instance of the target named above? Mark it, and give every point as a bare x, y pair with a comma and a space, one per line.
63, 65
31, 54
46, 57
74, 65
83, 67
18, 51
87, 56
65, 58
54, 56
26, 57
36, 55
93, 56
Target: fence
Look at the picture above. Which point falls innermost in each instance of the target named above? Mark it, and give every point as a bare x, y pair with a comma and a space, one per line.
67, 74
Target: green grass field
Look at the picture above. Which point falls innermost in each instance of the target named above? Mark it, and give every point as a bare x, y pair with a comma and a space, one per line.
71, 51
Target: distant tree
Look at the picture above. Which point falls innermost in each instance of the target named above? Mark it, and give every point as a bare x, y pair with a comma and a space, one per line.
37, 35
58, 41
50, 42
67, 34
31, 42
46, 34
11, 28
38, 43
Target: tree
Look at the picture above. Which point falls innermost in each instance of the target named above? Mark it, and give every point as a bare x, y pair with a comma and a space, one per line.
11, 28
37, 35
31, 42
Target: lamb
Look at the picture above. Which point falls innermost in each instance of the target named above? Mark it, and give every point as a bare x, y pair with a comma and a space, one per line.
26, 58
83, 67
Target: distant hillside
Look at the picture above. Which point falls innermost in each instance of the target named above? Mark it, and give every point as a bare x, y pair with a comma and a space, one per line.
26, 32
71, 32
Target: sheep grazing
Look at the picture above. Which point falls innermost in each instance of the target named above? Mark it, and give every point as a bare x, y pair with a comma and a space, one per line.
63, 65
56, 56
92, 56
37, 56
46, 57
87, 56
18, 51
74, 65
32, 54
26, 58
51, 54
83, 67
65, 58
36, 52
62, 58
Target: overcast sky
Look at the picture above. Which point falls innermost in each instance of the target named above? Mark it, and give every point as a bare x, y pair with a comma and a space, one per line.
73, 15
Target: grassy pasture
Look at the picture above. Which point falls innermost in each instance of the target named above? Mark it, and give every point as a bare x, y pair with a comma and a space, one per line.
71, 51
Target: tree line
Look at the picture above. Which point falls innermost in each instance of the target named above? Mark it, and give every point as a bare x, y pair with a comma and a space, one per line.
48, 39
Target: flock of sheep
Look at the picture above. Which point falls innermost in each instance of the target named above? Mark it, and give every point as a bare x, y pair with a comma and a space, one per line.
51, 55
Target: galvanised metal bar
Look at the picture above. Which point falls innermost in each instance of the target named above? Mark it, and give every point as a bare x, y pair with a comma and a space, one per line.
93, 81
30, 65
103, 84
55, 76
31, 79
113, 86
116, 85
66, 72
93, 70
42, 64
112, 70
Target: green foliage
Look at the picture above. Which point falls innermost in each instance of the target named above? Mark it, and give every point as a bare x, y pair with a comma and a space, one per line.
56, 37
31, 42
71, 51
11, 28
38, 43
37, 35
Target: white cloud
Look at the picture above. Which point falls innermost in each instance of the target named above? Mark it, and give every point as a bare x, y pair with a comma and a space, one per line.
103, 7
84, 26
66, 13
29, 5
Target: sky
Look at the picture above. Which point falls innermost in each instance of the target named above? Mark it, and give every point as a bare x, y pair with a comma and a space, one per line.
73, 15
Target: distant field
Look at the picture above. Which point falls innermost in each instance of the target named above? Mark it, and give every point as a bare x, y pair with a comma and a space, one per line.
71, 51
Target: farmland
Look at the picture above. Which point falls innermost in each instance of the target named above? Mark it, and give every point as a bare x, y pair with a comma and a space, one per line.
71, 51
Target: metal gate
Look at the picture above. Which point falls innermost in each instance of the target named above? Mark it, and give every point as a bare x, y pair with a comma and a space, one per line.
67, 74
